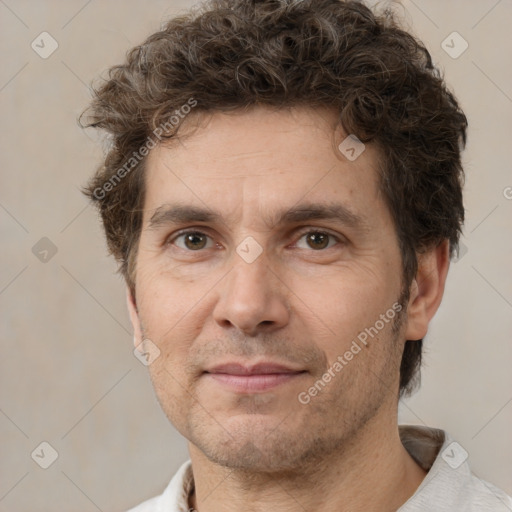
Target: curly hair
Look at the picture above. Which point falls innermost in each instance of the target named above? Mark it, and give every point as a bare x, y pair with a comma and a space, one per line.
234, 54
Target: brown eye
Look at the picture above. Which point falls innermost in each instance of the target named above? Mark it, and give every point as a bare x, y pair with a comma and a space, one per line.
317, 240
192, 240
195, 241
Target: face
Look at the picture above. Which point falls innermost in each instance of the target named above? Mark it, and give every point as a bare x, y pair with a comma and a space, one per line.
267, 257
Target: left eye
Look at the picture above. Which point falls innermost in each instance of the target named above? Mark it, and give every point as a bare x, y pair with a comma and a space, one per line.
318, 240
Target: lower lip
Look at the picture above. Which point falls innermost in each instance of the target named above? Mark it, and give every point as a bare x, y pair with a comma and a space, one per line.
253, 383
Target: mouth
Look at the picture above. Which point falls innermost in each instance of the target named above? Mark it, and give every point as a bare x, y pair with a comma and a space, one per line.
256, 378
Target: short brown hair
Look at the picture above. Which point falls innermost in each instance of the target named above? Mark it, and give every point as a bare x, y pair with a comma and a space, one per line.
234, 54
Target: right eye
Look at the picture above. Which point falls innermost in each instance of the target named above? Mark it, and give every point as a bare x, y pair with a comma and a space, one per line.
192, 240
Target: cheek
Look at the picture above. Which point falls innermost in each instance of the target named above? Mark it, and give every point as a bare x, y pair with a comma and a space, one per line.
341, 306
167, 303
173, 392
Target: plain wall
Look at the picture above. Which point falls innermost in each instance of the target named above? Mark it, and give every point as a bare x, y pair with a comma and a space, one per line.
68, 374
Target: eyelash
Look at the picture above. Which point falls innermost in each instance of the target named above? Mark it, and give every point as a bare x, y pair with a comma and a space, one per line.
301, 234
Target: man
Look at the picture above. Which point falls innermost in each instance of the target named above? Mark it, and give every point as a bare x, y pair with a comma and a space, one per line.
283, 194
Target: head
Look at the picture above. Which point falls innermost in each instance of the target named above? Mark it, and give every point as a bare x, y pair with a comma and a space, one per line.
244, 110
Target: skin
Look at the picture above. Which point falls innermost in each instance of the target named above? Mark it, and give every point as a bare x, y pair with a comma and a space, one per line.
300, 303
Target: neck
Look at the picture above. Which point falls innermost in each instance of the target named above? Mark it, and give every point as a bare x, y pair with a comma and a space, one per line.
372, 471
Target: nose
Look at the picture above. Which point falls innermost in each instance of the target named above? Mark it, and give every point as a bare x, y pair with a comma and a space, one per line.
252, 299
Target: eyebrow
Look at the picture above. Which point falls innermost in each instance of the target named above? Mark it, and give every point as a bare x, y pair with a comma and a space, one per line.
179, 214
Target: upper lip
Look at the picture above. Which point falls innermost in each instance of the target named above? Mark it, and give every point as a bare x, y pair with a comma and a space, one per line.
252, 369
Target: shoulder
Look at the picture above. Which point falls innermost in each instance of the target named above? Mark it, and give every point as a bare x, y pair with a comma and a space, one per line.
478, 495
447, 490
450, 484
151, 505
175, 496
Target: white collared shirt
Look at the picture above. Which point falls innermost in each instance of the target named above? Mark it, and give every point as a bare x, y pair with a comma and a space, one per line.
448, 487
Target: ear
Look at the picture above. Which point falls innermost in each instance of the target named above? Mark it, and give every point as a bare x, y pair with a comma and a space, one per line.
134, 317
427, 290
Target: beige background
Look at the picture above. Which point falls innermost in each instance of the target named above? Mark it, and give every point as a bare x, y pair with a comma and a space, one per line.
68, 375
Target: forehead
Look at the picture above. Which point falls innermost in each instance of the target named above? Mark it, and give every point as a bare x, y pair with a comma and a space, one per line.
261, 161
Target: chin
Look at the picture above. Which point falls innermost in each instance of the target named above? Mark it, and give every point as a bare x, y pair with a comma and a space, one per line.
258, 443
